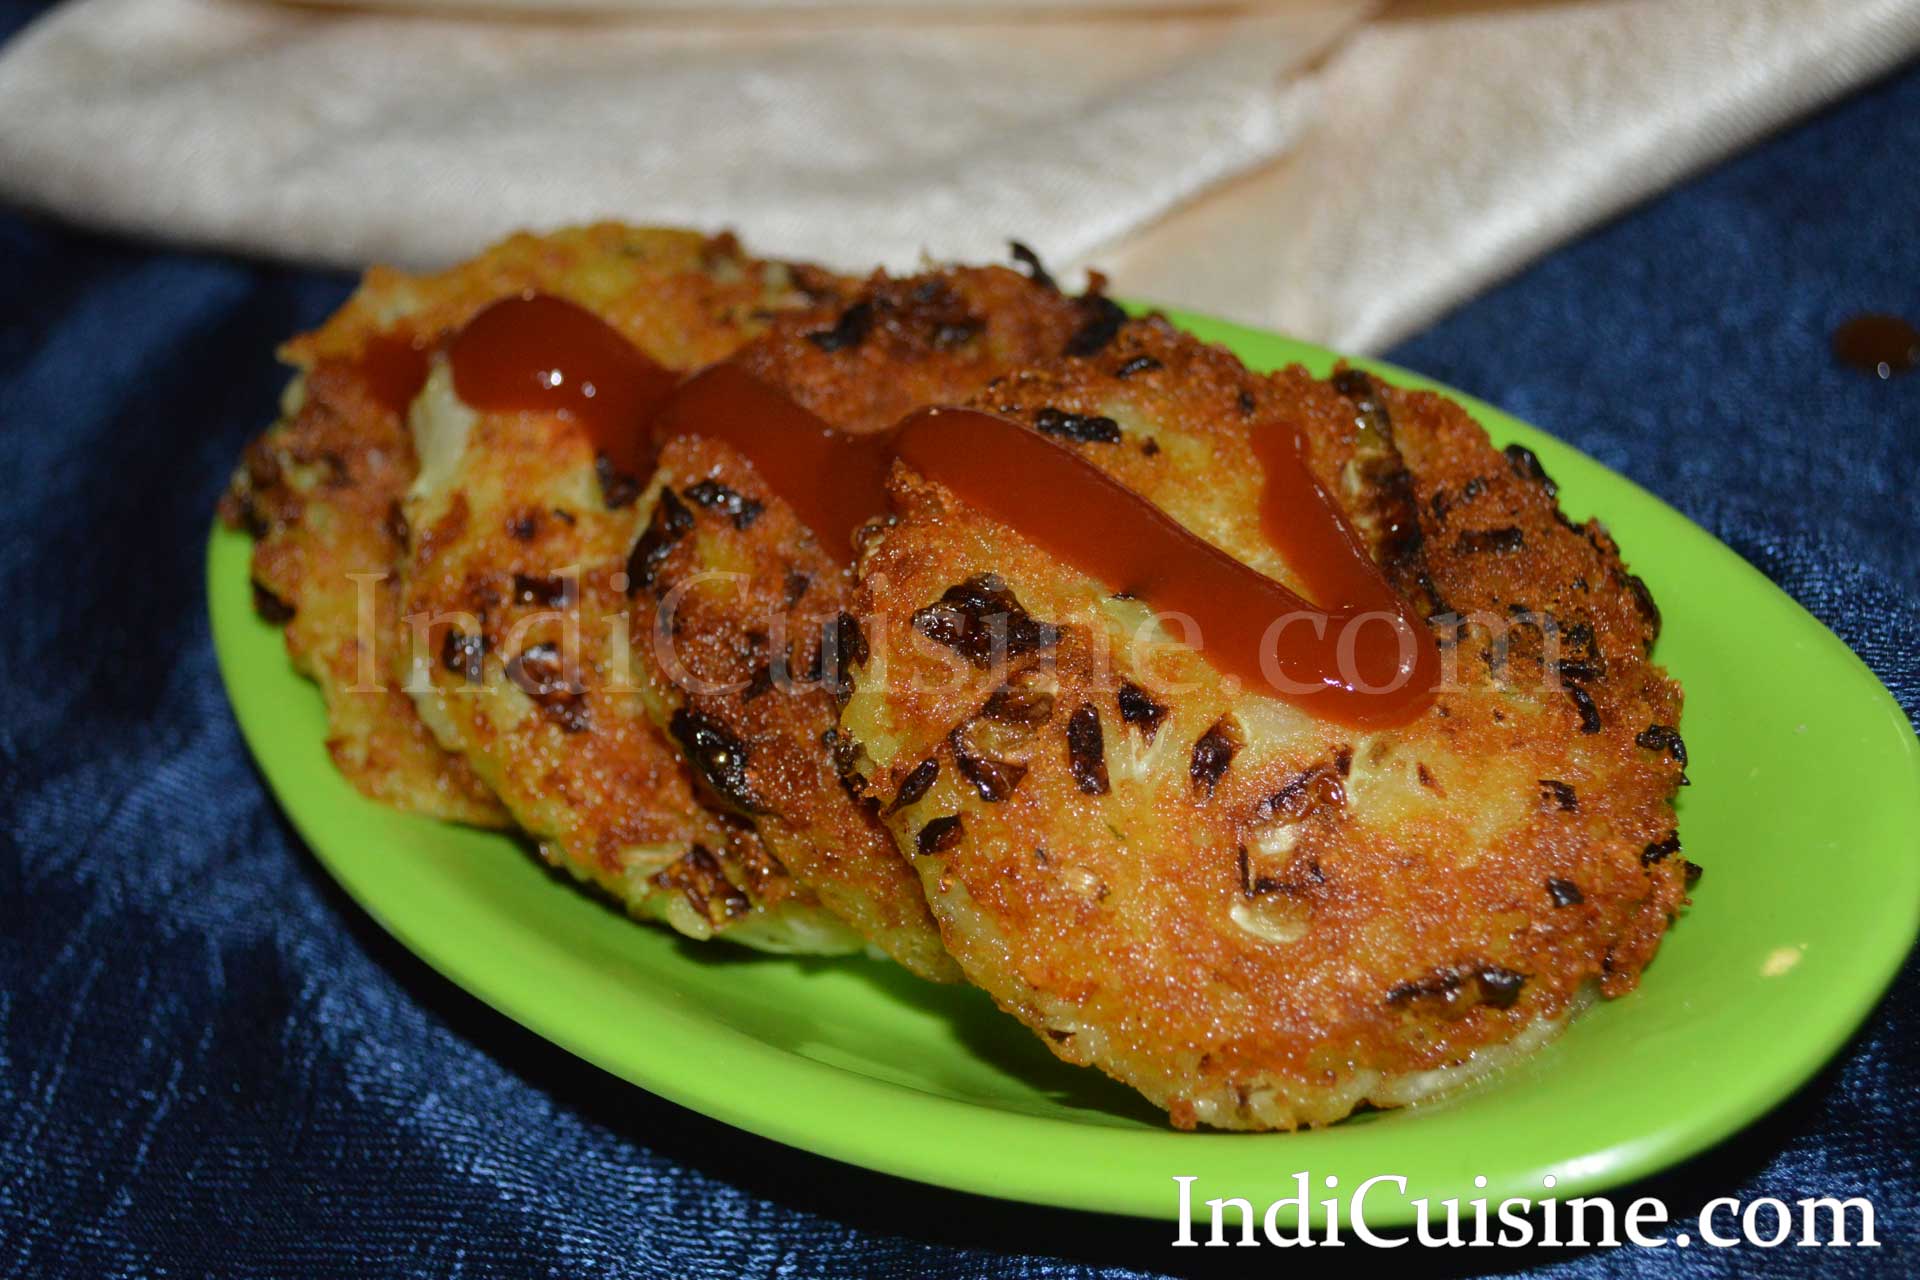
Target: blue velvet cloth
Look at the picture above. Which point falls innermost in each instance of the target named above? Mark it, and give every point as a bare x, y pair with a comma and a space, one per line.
212, 1063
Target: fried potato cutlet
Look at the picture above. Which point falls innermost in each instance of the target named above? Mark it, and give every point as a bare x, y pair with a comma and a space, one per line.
320, 489
740, 627
513, 596
1255, 916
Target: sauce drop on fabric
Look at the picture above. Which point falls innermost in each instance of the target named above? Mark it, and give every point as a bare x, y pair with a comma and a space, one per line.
1877, 344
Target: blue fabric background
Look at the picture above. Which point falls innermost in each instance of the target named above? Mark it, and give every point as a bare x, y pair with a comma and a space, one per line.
212, 1063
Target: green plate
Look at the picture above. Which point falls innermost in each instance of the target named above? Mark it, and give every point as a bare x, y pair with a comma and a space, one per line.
1805, 812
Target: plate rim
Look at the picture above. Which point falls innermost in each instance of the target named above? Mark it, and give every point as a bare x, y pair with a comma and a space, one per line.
886, 1102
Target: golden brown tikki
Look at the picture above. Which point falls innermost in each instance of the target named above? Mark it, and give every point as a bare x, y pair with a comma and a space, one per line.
1261, 910
741, 628
514, 595
320, 490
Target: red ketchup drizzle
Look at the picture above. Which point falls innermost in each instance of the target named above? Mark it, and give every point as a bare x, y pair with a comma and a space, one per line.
393, 370
1083, 516
835, 482
541, 353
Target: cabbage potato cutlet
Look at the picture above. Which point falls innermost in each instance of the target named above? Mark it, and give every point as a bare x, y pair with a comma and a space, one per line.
752, 606
320, 490
328, 491
517, 557
1257, 917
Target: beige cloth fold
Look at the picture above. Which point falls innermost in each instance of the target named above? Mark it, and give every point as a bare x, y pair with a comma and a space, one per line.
1316, 166
1459, 139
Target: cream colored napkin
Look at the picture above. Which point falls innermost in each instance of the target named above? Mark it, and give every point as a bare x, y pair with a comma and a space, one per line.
1458, 139
1314, 166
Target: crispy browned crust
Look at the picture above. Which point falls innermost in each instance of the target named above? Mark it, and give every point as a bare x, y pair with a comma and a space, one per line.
319, 488
901, 343
319, 491
514, 651
513, 596
743, 603
1265, 918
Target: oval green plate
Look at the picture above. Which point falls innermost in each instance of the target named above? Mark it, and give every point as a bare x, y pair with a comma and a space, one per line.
1805, 812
